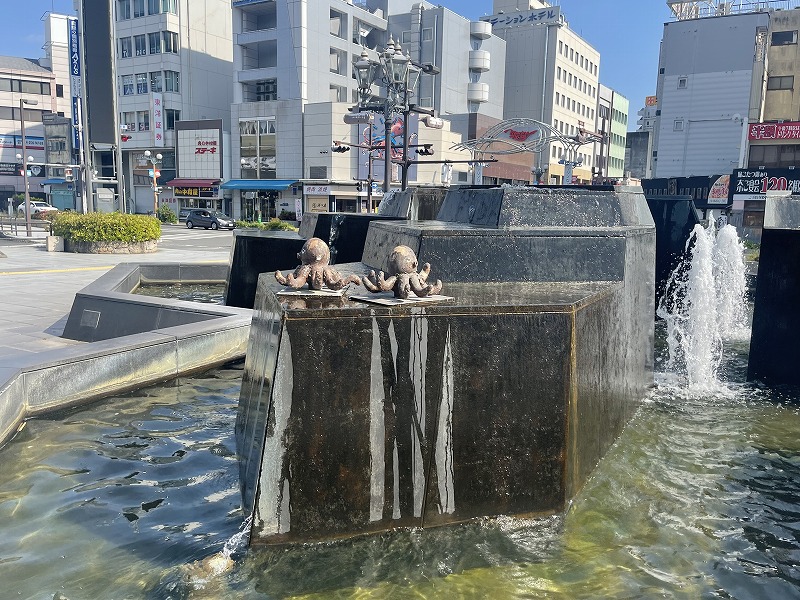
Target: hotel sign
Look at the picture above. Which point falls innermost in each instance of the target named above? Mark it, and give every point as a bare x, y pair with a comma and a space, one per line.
550, 15
774, 131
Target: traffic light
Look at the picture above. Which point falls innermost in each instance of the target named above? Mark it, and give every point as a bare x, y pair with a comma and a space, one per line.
338, 147
425, 150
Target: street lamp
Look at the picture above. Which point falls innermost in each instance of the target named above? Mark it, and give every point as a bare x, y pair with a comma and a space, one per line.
400, 75
154, 162
25, 159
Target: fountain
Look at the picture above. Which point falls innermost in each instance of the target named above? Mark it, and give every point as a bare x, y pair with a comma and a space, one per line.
714, 473
703, 304
359, 417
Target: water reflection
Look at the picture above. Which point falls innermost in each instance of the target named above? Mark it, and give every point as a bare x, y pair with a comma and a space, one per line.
697, 499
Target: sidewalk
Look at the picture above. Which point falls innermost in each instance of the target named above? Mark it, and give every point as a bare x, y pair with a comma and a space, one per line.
37, 288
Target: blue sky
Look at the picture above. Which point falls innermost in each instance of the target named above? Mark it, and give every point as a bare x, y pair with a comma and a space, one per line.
627, 34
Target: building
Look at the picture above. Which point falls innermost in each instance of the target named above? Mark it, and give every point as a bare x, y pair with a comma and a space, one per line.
45, 82
612, 125
710, 74
552, 76
638, 150
174, 62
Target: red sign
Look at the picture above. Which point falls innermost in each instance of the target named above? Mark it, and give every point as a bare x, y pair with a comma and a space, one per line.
774, 131
651, 101
520, 136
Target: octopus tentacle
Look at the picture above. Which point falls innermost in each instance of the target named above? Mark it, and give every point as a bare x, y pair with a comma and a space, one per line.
426, 270
299, 277
335, 281
420, 288
317, 278
378, 283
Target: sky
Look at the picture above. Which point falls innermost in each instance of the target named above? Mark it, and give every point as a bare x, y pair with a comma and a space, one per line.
627, 33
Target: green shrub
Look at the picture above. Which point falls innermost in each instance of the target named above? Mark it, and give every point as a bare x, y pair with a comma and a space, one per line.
106, 227
165, 214
271, 225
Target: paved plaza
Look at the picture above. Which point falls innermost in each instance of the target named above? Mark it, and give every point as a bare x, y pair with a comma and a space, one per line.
37, 287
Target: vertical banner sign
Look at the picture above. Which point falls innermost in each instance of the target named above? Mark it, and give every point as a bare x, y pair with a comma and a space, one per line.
158, 120
75, 79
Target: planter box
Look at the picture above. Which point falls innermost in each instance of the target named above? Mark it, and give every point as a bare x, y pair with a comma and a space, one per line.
112, 247
55, 243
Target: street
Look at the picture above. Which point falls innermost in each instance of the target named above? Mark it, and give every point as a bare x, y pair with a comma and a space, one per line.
178, 237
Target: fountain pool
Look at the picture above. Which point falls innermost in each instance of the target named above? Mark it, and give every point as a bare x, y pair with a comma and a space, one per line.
700, 497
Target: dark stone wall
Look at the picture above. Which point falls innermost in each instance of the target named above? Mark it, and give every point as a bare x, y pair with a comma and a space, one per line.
256, 252
355, 418
774, 348
774, 351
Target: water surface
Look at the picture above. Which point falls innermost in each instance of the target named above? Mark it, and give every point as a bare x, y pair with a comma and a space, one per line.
699, 498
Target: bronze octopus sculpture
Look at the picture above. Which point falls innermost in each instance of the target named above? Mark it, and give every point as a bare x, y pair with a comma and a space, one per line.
314, 269
403, 263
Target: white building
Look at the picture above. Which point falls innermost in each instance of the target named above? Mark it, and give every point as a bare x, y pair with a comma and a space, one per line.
708, 72
551, 75
174, 62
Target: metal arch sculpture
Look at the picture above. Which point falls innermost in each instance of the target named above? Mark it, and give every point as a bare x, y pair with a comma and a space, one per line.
514, 136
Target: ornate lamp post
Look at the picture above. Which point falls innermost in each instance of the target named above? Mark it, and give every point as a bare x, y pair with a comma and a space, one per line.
399, 75
154, 162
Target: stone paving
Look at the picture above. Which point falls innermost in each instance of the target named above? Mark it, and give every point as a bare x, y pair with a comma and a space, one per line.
37, 288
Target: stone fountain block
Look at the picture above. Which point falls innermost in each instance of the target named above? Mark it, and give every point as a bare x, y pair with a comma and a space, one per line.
774, 351
256, 252
565, 206
357, 418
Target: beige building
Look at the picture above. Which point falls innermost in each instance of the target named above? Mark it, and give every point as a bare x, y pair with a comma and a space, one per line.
43, 81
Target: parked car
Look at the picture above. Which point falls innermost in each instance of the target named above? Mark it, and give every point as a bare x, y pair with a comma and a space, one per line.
200, 217
37, 206
183, 213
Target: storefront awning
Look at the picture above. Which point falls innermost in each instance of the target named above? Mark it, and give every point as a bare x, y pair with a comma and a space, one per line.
192, 182
54, 181
258, 184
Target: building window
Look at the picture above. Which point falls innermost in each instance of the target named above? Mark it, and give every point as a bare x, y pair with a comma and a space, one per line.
141, 83
156, 81
138, 8
338, 27
682, 83
257, 148
784, 38
123, 10
171, 81
155, 42
170, 41
267, 90
128, 121
785, 82
427, 34
338, 93
170, 6
143, 120
127, 85
140, 44
125, 47
405, 37
59, 90
172, 116
560, 47
154, 7
339, 62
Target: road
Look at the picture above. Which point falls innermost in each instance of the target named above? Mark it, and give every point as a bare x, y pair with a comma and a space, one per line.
178, 237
